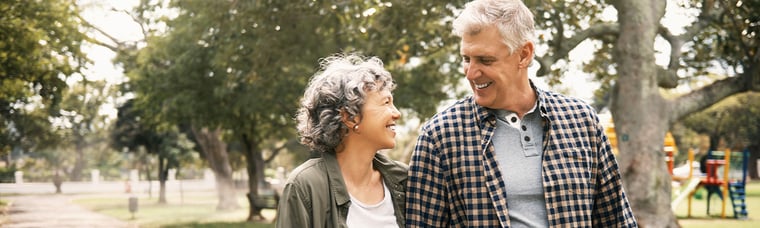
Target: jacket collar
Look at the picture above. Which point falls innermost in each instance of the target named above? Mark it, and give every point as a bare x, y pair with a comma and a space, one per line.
337, 185
393, 174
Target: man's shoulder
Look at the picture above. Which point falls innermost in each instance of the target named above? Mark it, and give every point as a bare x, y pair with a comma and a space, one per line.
463, 108
560, 102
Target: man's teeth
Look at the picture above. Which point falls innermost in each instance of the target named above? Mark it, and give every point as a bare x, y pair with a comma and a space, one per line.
484, 85
392, 127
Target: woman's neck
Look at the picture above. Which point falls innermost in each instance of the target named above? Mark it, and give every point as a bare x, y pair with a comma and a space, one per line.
355, 164
362, 181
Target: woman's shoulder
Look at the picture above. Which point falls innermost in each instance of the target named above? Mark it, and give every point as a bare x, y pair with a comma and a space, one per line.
309, 171
388, 166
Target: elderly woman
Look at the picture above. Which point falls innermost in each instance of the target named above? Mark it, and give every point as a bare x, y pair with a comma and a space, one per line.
347, 114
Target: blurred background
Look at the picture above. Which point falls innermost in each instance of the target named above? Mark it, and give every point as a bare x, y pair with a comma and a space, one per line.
171, 101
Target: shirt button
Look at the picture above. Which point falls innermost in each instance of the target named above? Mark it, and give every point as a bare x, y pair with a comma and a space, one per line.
527, 138
514, 119
524, 128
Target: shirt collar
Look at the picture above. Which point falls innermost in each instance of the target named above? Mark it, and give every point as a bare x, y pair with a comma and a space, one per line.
484, 114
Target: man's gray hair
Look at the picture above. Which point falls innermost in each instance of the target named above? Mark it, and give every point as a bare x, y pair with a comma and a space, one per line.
512, 18
341, 85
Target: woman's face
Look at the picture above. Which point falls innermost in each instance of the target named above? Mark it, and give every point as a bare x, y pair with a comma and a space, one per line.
378, 123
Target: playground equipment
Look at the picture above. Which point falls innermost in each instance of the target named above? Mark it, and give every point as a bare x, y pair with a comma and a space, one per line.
670, 151
732, 182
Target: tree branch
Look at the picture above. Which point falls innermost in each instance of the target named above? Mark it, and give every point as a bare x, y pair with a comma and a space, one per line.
114, 48
563, 49
702, 98
140, 21
668, 78
289, 143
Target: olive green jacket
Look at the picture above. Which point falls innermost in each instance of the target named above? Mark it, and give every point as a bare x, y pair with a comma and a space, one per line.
316, 196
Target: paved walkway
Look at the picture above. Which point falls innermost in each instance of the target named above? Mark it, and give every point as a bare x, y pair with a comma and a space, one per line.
54, 210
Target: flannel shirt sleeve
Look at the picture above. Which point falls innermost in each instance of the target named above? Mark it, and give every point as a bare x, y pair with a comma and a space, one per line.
427, 195
611, 207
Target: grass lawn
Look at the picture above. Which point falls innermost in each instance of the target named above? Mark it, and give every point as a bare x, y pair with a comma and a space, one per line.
198, 210
3, 211
700, 218
192, 210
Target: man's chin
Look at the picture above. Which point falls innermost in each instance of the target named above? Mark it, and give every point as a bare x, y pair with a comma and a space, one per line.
481, 101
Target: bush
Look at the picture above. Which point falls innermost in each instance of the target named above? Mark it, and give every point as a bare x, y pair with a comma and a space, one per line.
7, 174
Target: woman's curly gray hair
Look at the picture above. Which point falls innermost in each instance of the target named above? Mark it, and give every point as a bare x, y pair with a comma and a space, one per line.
341, 85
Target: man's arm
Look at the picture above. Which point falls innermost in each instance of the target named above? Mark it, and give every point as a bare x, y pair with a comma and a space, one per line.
426, 196
611, 207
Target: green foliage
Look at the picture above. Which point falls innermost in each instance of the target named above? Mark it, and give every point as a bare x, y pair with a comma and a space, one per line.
244, 65
558, 21
130, 133
80, 110
733, 37
735, 120
7, 174
39, 46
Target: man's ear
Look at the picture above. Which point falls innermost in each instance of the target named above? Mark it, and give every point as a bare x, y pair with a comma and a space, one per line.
526, 54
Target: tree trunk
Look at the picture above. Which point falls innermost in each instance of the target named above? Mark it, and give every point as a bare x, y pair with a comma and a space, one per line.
640, 114
76, 171
215, 151
754, 155
149, 179
162, 173
255, 169
57, 182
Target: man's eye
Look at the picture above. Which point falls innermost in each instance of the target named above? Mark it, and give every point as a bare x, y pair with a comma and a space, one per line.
466, 59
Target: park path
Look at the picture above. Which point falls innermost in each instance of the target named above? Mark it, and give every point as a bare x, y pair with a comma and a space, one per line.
54, 210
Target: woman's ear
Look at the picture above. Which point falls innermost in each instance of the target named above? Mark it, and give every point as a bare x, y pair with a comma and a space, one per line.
348, 121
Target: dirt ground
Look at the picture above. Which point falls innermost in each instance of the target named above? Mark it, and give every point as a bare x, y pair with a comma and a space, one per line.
52, 210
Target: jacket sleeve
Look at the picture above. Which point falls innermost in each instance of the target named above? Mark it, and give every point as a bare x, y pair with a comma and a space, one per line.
427, 197
611, 207
294, 209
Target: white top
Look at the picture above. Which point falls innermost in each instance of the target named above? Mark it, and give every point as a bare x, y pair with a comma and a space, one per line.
377, 215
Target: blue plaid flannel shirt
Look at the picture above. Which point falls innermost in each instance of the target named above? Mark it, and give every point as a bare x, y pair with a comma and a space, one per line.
454, 180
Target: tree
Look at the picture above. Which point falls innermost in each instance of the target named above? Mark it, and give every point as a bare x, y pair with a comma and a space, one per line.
236, 69
81, 119
733, 123
168, 144
39, 47
725, 33
232, 70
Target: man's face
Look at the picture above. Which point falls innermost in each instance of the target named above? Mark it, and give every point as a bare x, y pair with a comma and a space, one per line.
494, 74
